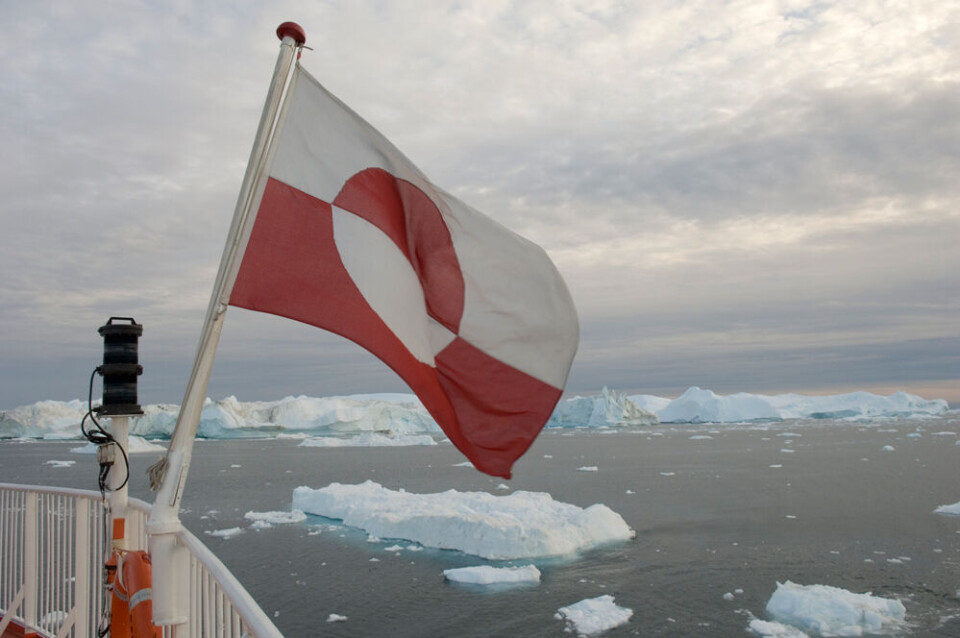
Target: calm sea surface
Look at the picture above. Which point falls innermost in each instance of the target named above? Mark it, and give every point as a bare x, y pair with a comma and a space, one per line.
814, 502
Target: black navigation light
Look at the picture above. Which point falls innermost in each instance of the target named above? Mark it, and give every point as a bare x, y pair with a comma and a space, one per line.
120, 367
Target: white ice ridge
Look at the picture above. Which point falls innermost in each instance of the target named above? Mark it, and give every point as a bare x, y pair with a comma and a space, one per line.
594, 616
515, 526
395, 416
823, 610
488, 575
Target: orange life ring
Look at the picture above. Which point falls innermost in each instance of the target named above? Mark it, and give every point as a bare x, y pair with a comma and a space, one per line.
119, 612
132, 606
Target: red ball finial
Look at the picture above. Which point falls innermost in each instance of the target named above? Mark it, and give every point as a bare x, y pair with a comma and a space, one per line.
293, 30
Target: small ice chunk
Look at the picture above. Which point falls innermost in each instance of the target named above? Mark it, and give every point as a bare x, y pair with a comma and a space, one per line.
268, 519
831, 611
336, 618
59, 463
487, 575
230, 532
768, 629
787, 450
700, 437
588, 468
888, 448
949, 510
593, 616
728, 596
370, 439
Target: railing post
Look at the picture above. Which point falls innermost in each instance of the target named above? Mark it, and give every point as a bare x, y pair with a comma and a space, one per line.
31, 559
81, 569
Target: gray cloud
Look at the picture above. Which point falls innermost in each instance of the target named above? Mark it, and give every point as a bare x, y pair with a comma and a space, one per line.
740, 197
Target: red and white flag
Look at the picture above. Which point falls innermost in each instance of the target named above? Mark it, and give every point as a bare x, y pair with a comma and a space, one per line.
351, 237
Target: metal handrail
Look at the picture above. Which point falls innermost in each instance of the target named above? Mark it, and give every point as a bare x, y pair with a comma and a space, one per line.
52, 549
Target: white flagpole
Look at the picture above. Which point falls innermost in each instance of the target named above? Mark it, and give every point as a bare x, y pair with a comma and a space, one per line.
170, 606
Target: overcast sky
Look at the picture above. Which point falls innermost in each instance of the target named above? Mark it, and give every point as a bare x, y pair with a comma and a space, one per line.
744, 196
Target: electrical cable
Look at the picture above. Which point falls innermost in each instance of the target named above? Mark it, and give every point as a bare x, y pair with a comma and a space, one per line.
102, 437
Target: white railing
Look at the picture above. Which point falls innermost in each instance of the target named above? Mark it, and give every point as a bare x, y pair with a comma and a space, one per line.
52, 549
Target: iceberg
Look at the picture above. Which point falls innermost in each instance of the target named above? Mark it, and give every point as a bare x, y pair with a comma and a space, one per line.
609, 409
704, 406
43, 420
516, 526
832, 611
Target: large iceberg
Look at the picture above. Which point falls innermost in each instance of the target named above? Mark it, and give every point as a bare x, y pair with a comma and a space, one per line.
43, 420
518, 525
703, 406
393, 418
608, 409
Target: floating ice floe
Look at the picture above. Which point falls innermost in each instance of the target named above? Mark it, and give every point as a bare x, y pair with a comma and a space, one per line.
230, 532
59, 463
263, 520
771, 629
370, 439
135, 445
948, 510
594, 616
829, 611
488, 575
514, 526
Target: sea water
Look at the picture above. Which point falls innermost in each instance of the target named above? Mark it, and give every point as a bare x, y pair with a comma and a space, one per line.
722, 514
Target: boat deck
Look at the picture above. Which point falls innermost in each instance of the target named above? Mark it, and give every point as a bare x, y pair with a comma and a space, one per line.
15, 630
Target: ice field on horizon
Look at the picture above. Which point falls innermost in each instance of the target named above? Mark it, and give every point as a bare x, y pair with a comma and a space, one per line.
400, 419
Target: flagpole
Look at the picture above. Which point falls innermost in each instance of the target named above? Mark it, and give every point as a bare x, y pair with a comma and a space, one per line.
170, 606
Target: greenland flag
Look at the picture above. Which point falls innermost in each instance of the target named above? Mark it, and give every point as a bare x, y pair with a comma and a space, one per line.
350, 236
